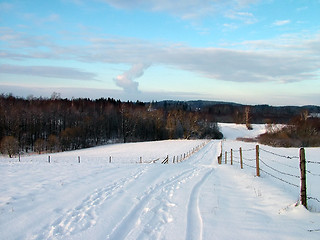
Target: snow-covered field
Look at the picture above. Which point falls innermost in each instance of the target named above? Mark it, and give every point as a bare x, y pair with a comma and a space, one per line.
126, 199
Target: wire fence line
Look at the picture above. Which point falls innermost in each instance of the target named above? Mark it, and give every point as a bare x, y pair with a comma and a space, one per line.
275, 168
280, 179
283, 164
108, 158
248, 165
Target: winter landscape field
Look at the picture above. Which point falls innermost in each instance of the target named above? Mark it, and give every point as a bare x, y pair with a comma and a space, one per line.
122, 191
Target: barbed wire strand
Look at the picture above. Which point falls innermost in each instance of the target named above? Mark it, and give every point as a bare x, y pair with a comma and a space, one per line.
276, 170
249, 159
279, 178
248, 165
293, 167
279, 155
248, 150
313, 174
313, 162
313, 198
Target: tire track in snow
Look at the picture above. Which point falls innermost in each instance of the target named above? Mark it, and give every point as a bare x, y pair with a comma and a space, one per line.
132, 219
84, 215
194, 222
158, 212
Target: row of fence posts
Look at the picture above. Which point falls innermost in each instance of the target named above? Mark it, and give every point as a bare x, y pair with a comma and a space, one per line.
175, 159
184, 156
303, 181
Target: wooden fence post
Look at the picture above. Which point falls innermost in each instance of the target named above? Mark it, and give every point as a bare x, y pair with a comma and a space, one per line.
225, 157
231, 158
19, 157
78, 159
140, 159
220, 158
303, 190
110, 159
257, 161
48, 159
174, 159
241, 163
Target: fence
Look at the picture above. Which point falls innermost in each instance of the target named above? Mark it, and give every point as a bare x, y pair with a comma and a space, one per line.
295, 176
181, 157
169, 158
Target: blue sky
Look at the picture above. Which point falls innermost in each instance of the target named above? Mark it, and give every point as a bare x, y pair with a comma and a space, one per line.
246, 51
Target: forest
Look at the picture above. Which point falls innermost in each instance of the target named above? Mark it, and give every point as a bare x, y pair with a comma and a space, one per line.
56, 124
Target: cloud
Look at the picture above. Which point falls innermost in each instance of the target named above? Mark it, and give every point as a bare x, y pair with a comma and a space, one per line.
47, 71
291, 59
126, 80
185, 9
5, 6
281, 22
246, 17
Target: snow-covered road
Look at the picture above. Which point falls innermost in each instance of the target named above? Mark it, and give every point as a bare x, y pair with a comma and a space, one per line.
195, 199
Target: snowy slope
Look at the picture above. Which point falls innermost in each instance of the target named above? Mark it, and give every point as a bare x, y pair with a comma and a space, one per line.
193, 199
234, 131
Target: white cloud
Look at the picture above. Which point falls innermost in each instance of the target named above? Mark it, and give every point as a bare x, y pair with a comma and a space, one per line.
281, 22
126, 80
245, 17
47, 71
264, 60
183, 8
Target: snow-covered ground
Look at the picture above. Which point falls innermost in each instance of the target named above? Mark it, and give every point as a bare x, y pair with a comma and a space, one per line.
234, 131
193, 199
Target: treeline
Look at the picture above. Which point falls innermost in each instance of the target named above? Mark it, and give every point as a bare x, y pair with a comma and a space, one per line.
55, 124
302, 131
236, 113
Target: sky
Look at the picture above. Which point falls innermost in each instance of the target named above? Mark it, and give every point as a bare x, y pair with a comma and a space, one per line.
244, 51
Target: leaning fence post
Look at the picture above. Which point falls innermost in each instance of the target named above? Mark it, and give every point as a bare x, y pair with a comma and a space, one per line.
257, 161
241, 163
303, 190
231, 157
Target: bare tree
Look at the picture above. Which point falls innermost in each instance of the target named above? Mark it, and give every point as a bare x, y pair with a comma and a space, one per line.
248, 118
10, 146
